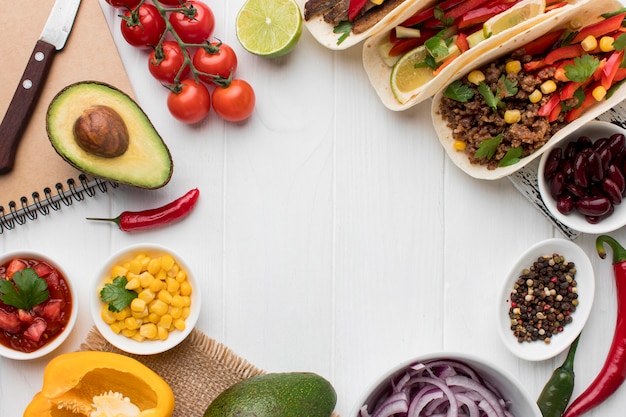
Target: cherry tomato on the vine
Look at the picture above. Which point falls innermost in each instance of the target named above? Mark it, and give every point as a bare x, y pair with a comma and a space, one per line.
193, 29
235, 102
143, 27
219, 59
191, 104
166, 62
129, 4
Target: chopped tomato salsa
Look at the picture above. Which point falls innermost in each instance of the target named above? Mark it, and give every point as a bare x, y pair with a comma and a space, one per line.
29, 330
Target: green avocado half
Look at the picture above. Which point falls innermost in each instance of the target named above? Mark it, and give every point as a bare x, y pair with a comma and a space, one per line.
143, 161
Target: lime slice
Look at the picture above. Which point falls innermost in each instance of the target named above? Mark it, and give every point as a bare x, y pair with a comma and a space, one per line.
269, 28
406, 77
517, 14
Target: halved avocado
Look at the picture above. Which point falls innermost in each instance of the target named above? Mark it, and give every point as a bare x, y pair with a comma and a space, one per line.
104, 116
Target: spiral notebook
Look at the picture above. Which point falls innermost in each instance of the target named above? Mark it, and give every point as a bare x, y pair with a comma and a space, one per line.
41, 181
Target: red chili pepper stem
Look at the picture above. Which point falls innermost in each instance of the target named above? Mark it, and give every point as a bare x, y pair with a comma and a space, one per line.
613, 372
130, 221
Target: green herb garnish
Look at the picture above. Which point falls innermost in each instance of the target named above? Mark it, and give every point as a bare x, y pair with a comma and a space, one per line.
459, 92
583, 67
116, 294
511, 157
490, 98
488, 147
25, 291
344, 27
620, 42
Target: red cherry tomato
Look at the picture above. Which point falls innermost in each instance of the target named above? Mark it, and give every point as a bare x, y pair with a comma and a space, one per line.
166, 62
235, 102
128, 4
217, 59
193, 29
191, 104
171, 2
143, 27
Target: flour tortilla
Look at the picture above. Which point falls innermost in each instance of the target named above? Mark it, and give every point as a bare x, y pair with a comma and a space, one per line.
323, 32
379, 73
586, 15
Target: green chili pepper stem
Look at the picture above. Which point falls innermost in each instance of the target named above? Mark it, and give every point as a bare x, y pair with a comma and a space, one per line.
619, 253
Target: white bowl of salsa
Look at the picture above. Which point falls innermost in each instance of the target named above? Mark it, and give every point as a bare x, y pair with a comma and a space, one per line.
38, 307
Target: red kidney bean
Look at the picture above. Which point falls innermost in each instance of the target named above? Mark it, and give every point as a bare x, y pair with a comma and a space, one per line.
611, 190
570, 151
584, 142
594, 166
616, 143
565, 204
616, 175
593, 206
599, 143
575, 190
581, 177
567, 168
552, 163
605, 155
557, 184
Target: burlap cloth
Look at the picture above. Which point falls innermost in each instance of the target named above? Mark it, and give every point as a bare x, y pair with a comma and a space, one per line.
197, 370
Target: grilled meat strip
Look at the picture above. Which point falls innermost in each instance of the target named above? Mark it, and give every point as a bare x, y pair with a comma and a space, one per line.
336, 11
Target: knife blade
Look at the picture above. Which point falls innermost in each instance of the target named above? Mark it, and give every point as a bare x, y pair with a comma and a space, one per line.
52, 39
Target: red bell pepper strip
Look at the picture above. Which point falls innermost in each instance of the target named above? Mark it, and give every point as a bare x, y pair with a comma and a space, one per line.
575, 113
600, 28
549, 105
482, 14
461, 42
405, 45
557, 5
425, 14
568, 90
613, 371
564, 52
542, 44
611, 67
554, 114
354, 8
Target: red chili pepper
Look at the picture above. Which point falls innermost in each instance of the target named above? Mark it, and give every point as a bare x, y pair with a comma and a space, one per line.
613, 372
601, 28
354, 8
610, 69
130, 221
542, 44
482, 14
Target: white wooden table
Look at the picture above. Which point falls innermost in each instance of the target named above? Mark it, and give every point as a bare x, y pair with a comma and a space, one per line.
332, 235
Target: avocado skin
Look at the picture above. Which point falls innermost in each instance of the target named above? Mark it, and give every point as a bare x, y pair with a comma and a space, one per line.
293, 394
147, 163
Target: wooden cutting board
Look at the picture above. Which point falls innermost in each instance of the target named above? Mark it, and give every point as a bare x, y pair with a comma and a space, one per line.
90, 54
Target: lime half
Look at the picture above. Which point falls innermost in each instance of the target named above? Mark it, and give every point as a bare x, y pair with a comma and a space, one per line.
269, 28
512, 17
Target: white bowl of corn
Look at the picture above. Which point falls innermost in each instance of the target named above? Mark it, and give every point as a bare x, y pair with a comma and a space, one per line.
145, 300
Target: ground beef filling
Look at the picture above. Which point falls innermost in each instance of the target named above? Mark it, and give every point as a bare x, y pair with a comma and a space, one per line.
474, 121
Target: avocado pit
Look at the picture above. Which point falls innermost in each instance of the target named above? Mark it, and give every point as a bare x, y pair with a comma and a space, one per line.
101, 131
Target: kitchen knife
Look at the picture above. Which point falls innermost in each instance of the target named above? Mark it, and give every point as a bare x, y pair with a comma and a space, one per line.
52, 39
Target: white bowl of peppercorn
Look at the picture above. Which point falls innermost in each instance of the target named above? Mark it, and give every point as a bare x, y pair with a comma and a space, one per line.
545, 299
581, 179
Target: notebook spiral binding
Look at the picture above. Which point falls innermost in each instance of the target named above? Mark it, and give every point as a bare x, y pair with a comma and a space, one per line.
20, 213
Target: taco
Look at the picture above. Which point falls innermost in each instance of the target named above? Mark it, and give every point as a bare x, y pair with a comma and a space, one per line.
410, 62
494, 118
340, 24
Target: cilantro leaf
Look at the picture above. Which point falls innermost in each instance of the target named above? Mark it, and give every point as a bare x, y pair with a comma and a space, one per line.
459, 92
490, 98
488, 147
511, 157
620, 42
437, 46
25, 291
344, 27
509, 87
583, 67
117, 295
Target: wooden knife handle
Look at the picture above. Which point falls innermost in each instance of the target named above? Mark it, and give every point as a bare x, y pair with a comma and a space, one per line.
22, 104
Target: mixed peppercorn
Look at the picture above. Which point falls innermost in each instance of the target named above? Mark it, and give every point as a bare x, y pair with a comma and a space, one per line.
543, 298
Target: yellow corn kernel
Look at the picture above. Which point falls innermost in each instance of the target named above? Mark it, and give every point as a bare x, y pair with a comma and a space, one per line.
459, 145
548, 87
163, 333
167, 262
599, 93
165, 296
129, 332
135, 266
121, 315
476, 77
181, 276
589, 43
146, 295
118, 271
161, 275
146, 279
513, 67
180, 324
166, 321
535, 96
186, 312
131, 323
177, 301
140, 315
156, 285
107, 315
149, 330
117, 327
185, 288
154, 318
154, 266
133, 284
158, 307
137, 337
606, 44
176, 312
512, 116
173, 271
137, 305
187, 300
172, 285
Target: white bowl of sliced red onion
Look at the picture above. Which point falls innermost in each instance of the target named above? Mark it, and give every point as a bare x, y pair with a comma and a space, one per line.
446, 384
581, 178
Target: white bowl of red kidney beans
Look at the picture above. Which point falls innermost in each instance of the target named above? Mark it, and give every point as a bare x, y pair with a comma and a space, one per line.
581, 179
446, 383
545, 299
38, 307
